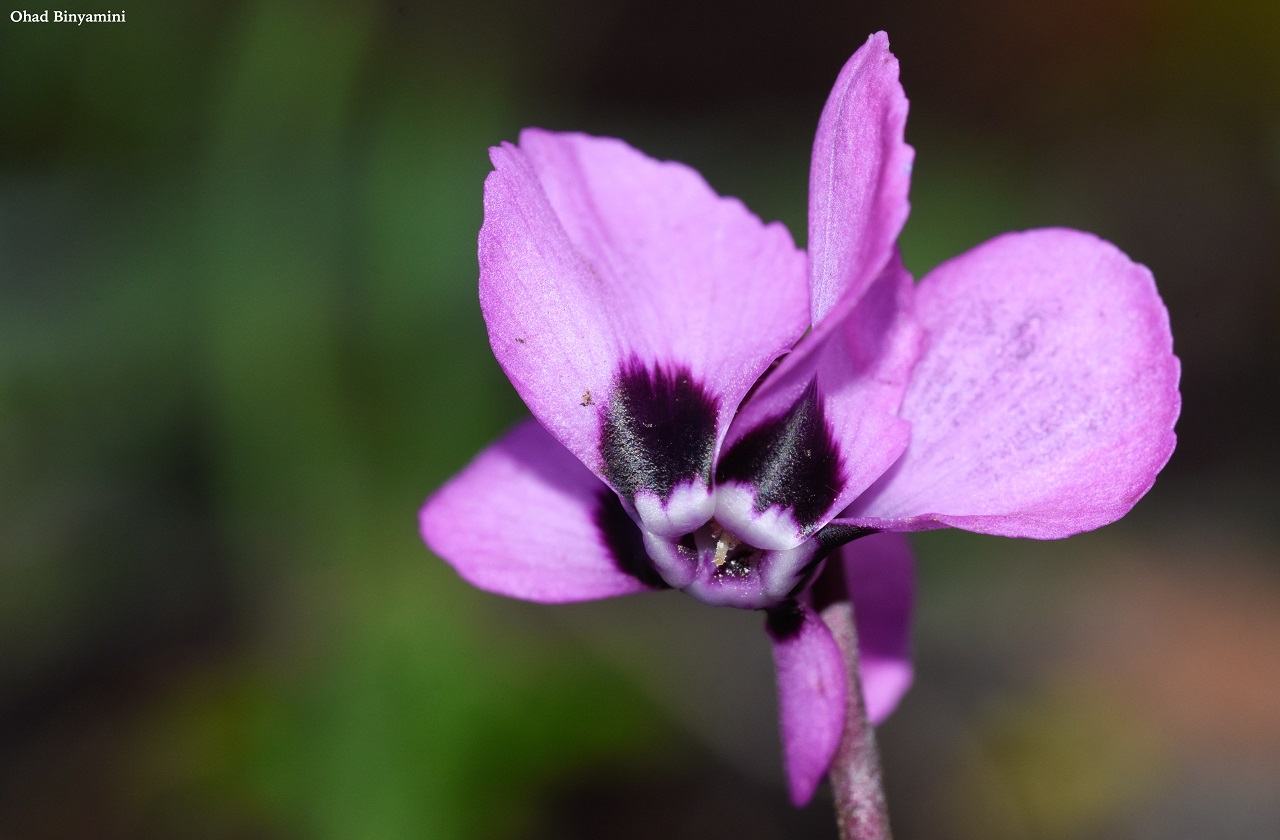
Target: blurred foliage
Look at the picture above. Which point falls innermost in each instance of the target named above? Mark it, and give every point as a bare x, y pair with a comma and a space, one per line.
1069, 754
238, 348
239, 343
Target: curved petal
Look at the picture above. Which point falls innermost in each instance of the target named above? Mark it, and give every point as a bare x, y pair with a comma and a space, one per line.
1045, 403
632, 308
859, 178
824, 425
526, 519
879, 574
811, 695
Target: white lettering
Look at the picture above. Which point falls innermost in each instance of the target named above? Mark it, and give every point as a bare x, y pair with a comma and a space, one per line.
63, 16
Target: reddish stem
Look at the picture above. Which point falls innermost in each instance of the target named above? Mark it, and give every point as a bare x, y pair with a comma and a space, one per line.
855, 772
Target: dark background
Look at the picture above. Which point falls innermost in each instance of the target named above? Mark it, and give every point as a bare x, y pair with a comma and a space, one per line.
240, 343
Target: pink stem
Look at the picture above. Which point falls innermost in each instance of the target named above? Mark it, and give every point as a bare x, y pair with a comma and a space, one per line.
855, 772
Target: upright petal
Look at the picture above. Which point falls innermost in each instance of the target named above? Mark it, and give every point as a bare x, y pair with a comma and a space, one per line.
859, 178
879, 575
1045, 403
811, 695
526, 519
632, 309
824, 425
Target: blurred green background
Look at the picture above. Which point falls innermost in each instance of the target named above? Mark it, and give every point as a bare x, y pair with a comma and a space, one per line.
240, 343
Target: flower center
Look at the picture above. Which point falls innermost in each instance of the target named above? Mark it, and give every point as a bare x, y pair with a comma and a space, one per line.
725, 543
726, 570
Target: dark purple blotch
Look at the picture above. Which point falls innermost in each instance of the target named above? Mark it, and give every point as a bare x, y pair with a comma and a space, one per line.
792, 460
623, 540
659, 430
784, 621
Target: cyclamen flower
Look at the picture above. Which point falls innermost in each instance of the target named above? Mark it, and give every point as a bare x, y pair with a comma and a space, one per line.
1027, 388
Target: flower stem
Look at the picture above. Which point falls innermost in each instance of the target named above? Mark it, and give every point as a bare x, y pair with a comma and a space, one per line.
855, 773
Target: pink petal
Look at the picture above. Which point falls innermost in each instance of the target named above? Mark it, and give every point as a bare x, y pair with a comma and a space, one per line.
606, 278
824, 425
1045, 403
880, 577
526, 519
811, 696
859, 178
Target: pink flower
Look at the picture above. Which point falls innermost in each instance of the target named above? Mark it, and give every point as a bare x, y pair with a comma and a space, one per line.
1027, 388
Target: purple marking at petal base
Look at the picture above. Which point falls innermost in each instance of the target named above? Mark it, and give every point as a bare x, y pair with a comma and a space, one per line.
593, 255
861, 366
791, 462
625, 540
659, 435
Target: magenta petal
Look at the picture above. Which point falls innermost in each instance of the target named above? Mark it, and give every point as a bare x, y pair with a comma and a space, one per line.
607, 277
811, 696
526, 519
824, 425
880, 576
859, 178
1045, 402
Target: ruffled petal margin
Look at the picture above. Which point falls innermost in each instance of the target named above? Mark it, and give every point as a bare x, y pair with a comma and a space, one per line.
526, 519
1045, 402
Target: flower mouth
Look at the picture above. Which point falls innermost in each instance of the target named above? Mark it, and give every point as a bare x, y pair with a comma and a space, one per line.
728, 571
724, 570
727, 546
716, 566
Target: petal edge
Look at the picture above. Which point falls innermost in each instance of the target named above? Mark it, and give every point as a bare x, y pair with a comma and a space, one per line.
601, 267
1045, 402
811, 696
859, 178
527, 520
